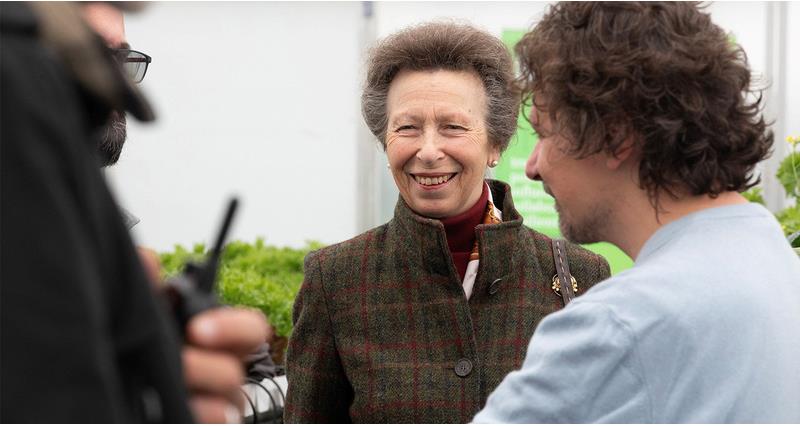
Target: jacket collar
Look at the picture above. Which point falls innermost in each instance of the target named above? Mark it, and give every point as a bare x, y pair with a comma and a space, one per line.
424, 242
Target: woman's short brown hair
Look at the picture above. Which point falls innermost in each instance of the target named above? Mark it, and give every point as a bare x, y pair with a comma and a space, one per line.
445, 46
659, 71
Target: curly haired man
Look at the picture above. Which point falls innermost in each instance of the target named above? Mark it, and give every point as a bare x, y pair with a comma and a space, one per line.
648, 130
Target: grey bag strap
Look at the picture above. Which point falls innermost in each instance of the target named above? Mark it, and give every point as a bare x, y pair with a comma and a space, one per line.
564, 284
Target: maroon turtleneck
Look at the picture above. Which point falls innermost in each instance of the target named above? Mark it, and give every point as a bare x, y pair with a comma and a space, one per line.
460, 230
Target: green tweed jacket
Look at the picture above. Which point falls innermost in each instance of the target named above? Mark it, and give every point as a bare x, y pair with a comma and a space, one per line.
384, 334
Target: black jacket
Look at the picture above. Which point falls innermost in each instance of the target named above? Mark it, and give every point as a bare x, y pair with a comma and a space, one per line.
83, 339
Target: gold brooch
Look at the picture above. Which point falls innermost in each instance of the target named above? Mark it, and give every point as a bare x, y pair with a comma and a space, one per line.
557, 285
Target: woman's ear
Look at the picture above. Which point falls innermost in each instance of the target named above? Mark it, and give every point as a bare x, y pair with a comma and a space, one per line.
494, 156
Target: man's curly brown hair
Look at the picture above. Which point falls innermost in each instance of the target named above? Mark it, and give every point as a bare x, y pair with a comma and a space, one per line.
661, 72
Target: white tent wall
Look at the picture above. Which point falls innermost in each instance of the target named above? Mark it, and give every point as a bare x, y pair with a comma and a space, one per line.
262, 100
257, 99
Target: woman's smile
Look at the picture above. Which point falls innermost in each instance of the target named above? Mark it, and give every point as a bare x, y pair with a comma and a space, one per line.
432, 181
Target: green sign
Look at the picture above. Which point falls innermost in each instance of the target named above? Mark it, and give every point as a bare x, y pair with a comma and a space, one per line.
535, 206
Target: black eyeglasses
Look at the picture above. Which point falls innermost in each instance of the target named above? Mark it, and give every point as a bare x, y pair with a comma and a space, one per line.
133, 62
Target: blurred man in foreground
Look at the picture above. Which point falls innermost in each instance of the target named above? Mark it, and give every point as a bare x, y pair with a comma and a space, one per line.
108, 22
83, 339
648, 130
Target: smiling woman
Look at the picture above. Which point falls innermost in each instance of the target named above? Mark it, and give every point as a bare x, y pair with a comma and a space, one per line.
418, 320
436, 140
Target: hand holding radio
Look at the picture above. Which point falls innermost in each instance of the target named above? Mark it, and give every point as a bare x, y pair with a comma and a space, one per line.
215, 338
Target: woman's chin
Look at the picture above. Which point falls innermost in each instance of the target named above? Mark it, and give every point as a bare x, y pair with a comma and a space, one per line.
438, 209
438, 201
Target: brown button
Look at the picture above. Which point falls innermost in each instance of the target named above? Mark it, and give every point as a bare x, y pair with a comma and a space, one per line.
463, 367
494, 286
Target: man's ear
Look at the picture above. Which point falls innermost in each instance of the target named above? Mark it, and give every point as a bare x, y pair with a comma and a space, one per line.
624, 150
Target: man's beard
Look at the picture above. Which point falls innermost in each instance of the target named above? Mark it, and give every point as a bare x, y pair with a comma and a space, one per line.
112, 138
587, 230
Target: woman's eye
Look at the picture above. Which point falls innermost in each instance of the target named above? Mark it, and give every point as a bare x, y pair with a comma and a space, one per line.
455, 127
406, 127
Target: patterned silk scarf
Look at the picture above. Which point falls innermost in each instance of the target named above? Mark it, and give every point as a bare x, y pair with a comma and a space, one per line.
492, 215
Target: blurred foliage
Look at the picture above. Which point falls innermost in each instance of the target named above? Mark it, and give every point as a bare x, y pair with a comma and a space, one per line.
255, 275
794, 239
787, 175
754, 195
789, 219
788, 172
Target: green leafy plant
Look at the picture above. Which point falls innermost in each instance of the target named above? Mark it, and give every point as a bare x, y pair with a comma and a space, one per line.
254, 275
788, 173
754, 195
794, 239
789, 169
789, 219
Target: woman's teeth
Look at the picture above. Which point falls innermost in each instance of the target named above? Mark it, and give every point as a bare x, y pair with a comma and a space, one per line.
436, 180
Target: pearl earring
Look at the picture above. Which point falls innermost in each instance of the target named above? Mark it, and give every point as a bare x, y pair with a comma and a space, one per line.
388, 166
493, 163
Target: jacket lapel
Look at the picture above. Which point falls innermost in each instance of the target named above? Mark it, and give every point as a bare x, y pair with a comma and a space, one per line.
423, 241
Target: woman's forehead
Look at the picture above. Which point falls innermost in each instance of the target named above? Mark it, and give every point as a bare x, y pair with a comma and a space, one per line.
461, 83
442, 93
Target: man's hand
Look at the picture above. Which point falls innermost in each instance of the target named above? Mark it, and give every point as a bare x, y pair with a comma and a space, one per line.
152, 266
217, 342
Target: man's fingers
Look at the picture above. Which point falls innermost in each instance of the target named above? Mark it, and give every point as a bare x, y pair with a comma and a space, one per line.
208, 409
212, 372
217, 340
151, 264
240, 331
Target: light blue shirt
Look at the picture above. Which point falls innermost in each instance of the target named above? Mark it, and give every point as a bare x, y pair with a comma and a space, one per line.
705, 328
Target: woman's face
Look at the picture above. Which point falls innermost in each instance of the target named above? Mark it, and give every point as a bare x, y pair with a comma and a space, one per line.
436, 140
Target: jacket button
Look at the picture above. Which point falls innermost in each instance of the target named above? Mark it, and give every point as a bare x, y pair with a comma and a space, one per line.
463, 367
494, 286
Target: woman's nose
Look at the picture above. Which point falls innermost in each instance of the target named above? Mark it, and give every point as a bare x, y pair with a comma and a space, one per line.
429, 151
532, 166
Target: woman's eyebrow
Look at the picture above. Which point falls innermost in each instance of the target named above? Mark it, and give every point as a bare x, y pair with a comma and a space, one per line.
456, 117
453, 116
440, 117
405, 116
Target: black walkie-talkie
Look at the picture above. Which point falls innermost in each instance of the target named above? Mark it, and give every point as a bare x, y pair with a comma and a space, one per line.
192, 291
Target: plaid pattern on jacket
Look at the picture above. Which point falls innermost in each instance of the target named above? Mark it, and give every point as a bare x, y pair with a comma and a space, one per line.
381, 321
